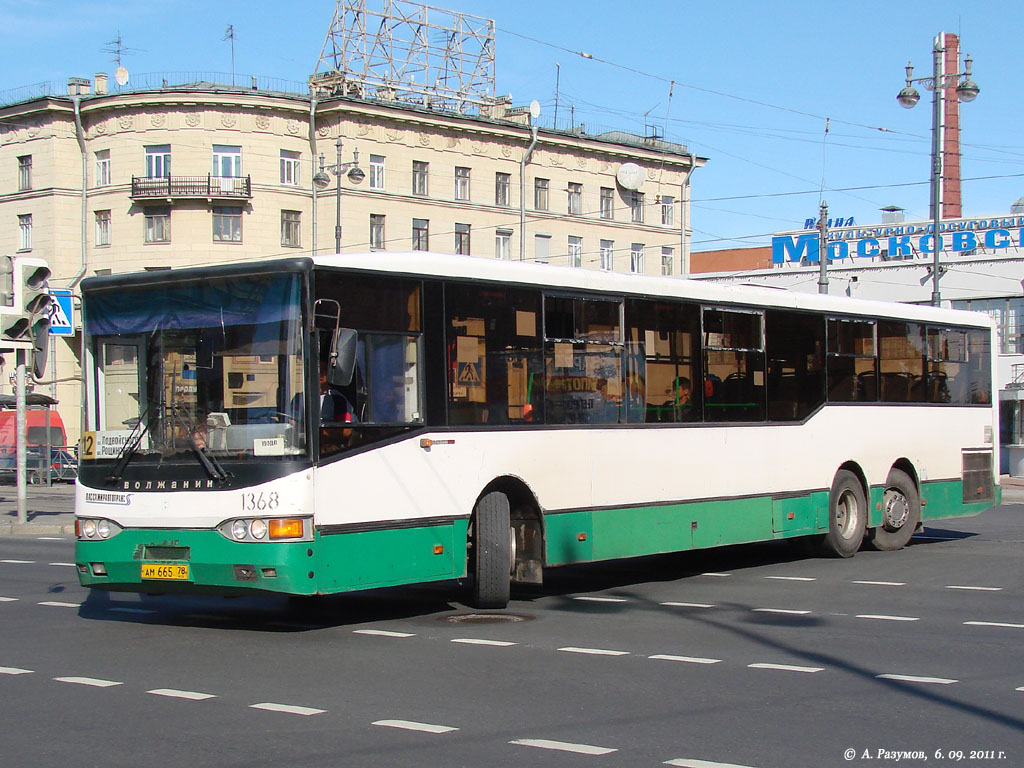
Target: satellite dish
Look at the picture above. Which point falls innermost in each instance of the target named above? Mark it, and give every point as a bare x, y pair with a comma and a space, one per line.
534, 109
630, 176
121, 76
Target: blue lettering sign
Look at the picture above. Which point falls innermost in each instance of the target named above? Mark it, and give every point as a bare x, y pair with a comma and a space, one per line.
795, 248
997, 238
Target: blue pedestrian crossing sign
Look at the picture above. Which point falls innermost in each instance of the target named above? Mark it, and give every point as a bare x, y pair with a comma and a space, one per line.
62, 320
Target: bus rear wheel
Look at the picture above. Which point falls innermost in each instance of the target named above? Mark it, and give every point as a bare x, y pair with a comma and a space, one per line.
901, 512
847, 515
492, 551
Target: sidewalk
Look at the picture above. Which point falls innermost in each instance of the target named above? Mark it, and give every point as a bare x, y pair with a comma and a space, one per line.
51, 511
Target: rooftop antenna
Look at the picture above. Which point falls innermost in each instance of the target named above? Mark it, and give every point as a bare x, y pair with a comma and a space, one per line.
229, 35
119, 49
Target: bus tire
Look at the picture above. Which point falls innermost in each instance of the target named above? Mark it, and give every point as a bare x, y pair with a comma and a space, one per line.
847, 515
492, 552
901, 512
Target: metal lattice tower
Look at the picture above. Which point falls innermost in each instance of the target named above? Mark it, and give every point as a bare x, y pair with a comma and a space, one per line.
408, 52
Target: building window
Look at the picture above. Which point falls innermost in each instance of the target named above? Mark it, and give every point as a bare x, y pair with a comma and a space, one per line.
461, 183
25, 232
103, 168
667, 259
290, 164
636, 258
607, 203
377, 231
541, 248
636, 207
419, 177
503, 244
462, 239
376, 171
227, 224
158, 224
158, 161
24, 173
102, 228
540, 194
575, 201
668, 210
291, 230
421, 234
607, 254
575, 251
502, 184
227, 160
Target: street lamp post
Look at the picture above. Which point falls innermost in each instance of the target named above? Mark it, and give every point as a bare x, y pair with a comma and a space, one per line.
322, 181
966, 90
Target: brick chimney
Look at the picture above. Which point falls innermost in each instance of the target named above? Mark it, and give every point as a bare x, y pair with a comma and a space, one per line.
951, 201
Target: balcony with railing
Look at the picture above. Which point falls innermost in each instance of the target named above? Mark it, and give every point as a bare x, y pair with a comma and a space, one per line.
210, 187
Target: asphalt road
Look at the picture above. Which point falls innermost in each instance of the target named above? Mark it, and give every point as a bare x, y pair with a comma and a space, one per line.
751, 656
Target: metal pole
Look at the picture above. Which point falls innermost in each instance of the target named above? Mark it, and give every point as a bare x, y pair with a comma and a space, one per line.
938, 104
19, 392
823, 248
337, 212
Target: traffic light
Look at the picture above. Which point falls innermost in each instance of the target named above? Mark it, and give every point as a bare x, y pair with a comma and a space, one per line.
25, 316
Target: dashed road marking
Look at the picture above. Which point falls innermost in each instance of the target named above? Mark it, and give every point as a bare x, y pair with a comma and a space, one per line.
58, 604
93, 681
19, 562
882, 583
125, 609
883, 617
792, 578
479, 641
673, 604
411, 725
50, 538
790, 611
564, 746
689, 762
66, 565
593, 651
15, 671
684, 659
287, 709
176, 694
974, 589
8, 599
1020, 689
382, 633
596, 599
713, 573
1004, 624
785, 667
916, 679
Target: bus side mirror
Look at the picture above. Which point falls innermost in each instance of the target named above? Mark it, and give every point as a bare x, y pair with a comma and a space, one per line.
343, 357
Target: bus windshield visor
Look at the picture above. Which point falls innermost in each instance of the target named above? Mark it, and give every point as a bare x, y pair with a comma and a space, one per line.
212, 367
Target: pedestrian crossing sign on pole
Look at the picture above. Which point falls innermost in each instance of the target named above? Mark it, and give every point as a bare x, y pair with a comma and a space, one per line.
62, 319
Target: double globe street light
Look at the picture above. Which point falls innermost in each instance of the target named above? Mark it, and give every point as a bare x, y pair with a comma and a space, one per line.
966, 90
322, 180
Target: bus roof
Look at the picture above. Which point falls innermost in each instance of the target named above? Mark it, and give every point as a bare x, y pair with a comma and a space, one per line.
421, 263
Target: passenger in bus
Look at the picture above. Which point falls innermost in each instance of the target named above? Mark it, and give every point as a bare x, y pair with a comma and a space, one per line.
335, 408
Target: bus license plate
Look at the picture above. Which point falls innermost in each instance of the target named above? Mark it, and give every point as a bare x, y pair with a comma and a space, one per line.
164, 571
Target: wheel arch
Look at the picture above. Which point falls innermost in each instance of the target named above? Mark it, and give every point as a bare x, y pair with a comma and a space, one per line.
906, 466
528, 523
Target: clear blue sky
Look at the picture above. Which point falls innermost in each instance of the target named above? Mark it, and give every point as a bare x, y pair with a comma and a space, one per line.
754, 82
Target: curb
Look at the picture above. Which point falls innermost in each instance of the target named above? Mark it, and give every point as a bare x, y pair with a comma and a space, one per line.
40, 529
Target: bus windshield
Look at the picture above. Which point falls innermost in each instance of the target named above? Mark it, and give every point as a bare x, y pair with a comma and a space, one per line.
211, 367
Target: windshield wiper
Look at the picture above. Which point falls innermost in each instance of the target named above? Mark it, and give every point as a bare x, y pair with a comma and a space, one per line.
129, 447
210, 464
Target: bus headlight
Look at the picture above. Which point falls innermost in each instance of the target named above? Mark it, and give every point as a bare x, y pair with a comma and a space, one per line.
93, 529
262, 529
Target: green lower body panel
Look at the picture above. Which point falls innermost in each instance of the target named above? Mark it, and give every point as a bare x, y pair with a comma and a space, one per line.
332, 563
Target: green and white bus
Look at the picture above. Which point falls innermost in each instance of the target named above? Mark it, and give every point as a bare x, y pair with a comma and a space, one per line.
501, 418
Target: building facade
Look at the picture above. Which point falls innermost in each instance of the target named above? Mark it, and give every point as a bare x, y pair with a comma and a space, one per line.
156, 176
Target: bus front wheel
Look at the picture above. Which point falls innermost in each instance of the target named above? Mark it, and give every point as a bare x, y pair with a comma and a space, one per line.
492, 551
901, 512
847, 515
